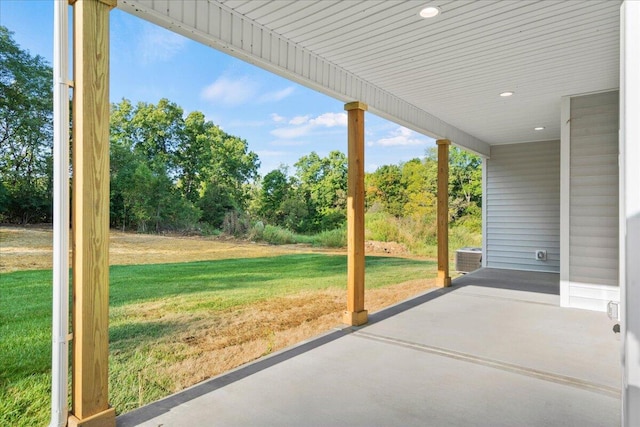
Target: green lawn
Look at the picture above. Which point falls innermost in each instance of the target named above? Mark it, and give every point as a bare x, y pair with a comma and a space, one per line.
197, 287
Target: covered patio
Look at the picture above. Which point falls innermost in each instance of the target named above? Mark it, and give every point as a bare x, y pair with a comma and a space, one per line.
494, 349
545, 92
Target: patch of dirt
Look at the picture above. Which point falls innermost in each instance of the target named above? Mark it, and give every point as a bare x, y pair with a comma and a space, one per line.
389, 248
30, 248
25, 248
214, 344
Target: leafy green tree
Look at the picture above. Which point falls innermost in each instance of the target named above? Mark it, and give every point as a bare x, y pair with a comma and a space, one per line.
419, 182
295, 211
332, 191
465, 175
465, 184
232, 167
386, 186
123, 164
274, 191
144, 140
156, 131
194, 154
169, 171
216, 202
465, 188
323, 184
26, 109
4, 201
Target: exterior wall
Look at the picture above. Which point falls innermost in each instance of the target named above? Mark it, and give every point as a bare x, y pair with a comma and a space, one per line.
593, 231
593, 199
522, 202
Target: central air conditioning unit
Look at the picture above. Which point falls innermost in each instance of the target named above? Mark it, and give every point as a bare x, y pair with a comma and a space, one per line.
468, 259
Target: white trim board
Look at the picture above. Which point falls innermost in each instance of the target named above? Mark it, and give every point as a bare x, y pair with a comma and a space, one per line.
484, 212
565, 187
590, 296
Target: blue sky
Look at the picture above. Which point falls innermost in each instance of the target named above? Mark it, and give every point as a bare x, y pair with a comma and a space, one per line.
281, 120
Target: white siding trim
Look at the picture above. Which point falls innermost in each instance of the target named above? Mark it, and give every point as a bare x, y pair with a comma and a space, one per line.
235, 34
484, 212
565, 187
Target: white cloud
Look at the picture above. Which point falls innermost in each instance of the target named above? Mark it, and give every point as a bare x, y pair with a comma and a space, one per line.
158, 45
277, 118
330, 120
304, 125
277, 95
230, 92
234, 91
299, 120
401, 137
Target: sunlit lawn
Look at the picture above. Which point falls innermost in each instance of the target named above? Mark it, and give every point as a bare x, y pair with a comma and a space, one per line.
197, 287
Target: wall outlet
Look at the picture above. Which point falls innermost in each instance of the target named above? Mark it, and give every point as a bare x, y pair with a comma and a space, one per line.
541, 255
613, 310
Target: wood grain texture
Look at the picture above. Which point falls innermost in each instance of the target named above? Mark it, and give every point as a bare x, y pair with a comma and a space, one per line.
443, 279
355, 314
91, 212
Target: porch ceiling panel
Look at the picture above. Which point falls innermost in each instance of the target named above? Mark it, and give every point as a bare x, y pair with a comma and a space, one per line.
439, 76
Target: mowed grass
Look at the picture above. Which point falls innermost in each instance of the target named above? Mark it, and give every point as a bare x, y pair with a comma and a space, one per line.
150, 304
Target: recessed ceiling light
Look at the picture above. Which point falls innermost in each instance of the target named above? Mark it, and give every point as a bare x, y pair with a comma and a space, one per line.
507, 93
539, 128
430, 12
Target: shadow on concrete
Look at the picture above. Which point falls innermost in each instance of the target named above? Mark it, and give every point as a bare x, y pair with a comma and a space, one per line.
529, 281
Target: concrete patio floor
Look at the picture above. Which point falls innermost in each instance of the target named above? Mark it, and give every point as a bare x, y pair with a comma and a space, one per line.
495, 349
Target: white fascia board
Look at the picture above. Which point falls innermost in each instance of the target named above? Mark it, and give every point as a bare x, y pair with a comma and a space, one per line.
245, 39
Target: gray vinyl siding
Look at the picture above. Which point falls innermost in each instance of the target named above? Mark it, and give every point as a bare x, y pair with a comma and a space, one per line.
523, 206
593, 223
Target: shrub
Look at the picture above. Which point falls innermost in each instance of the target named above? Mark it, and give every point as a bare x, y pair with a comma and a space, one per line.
382, 227
256, 231
331, 239
277, 235
235, 223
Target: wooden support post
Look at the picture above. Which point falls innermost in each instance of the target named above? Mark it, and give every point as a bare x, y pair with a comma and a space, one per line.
355, 314
443, 278
90, 407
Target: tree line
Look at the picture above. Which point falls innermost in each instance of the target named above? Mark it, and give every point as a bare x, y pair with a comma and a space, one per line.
26, 125
176, 171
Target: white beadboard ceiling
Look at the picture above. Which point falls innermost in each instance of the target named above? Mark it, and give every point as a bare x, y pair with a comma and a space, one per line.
439, 76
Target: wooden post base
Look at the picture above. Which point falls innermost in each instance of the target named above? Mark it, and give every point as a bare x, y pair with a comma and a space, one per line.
355, 318
103, 419
443, 281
